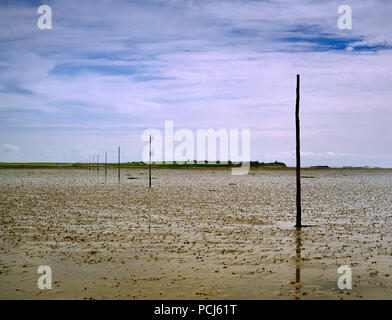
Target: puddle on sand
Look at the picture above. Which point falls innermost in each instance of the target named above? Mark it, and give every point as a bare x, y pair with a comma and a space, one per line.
285, 225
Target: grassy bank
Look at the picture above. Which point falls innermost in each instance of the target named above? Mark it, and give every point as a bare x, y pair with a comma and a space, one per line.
163, 165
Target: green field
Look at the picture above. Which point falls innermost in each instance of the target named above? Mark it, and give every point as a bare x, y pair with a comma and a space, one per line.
191, 164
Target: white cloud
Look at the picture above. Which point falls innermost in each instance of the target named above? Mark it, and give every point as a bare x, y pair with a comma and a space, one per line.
10, 148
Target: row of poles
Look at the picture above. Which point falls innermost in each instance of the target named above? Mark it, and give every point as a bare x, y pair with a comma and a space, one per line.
297, 149
91, 165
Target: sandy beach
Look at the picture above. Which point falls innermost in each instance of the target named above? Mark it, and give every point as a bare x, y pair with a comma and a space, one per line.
196, 234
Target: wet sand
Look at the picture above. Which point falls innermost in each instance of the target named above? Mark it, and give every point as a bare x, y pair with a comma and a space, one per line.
197, 234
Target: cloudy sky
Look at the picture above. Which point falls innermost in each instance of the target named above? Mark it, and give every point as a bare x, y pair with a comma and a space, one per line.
108, 70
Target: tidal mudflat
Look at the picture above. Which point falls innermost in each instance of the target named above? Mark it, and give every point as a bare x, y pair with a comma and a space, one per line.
196, 234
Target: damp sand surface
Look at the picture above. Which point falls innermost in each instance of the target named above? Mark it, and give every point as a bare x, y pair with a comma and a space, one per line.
196, 234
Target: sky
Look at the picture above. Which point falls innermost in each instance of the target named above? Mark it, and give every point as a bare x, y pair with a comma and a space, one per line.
109, 70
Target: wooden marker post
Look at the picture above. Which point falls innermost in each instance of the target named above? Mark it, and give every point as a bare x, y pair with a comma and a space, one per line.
106, 162
298, 156
149, 171
118, 168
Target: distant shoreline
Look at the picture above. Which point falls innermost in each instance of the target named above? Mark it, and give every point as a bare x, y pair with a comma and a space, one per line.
135, 165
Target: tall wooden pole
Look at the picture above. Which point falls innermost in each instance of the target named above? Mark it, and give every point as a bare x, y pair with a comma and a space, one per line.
149, 171
118, 168
298, 155
106, 162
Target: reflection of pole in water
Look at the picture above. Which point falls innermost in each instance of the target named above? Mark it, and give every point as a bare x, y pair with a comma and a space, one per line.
298, 264
149, 210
